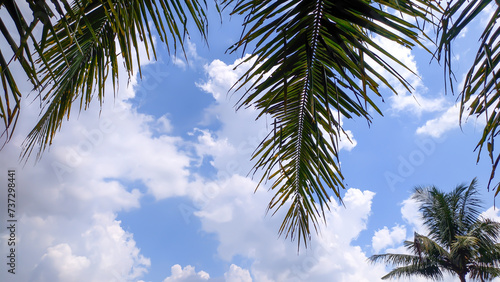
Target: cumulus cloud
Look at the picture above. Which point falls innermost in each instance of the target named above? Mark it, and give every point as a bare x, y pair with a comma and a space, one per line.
384, 237
417, 102
244, 231
59, 264
186, 274
449, 120
71, 197
189, 274
491, 213
188, 58
108, 253
237, 274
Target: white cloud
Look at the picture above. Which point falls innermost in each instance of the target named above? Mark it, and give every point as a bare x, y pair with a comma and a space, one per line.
491, 213
384, 237
189, 274
179, 62
186, 274
412, 215
59, 264
188, 58
104, 252
347, 142
165, 126
101, 162
235, 215
449, 120
440, 125
221, 77
417, 102
237, 274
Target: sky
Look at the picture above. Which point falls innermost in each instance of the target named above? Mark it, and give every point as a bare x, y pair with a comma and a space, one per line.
154, 186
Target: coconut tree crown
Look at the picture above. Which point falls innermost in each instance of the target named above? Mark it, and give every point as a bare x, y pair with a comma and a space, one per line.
459, 242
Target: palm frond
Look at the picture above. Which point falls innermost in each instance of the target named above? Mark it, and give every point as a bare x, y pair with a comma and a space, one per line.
438, 214
80, 54
395, 259
408, 265
484, 272
314, 62
22, 44
470, 204
421, 268
480, 95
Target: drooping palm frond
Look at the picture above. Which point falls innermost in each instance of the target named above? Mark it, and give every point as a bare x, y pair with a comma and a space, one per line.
423, 246
408, 265
315, 61
79, 53
484, 273
480, 95
22, 44
419, 269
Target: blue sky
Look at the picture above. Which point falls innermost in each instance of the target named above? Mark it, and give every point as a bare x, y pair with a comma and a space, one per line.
155, 187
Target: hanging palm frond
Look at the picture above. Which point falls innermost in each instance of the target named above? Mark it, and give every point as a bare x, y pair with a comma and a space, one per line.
480, 95
22, 44
76, 65
315, 61
76, 54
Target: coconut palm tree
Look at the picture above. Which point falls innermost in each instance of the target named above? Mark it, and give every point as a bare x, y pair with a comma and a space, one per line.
459, 241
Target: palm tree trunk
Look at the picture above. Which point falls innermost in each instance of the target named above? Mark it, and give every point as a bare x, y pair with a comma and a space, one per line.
462, 277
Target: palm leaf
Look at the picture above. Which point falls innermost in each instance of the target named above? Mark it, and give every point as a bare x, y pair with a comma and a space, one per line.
408, 265
313, 62
80, 54
21, 42
480, 95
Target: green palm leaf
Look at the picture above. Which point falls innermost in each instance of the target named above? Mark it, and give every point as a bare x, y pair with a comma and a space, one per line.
80, 54
22, 42
480, 95
313, 62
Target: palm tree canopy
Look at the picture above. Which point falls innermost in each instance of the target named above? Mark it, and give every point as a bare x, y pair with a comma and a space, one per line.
459, 242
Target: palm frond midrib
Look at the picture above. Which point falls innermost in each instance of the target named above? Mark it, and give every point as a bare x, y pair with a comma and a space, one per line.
318, 13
